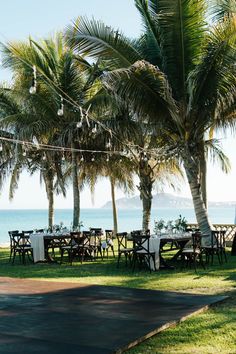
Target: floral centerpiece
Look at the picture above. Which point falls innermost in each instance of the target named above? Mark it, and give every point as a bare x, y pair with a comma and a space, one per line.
159, 226
180, 224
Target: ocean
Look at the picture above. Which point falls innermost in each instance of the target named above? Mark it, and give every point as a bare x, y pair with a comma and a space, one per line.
127, 219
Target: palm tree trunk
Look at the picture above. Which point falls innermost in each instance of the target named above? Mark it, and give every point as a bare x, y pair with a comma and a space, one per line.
114, 210
193, 175
203, 176
76, 191
50, 195
145, 188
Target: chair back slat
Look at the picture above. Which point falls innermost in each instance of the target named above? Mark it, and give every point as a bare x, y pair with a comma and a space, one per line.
122, 240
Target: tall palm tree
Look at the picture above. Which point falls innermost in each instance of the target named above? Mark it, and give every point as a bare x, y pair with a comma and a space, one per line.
62, 83
18, 116
180, 74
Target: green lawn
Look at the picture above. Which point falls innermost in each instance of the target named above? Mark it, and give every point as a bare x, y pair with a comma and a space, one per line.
213, 331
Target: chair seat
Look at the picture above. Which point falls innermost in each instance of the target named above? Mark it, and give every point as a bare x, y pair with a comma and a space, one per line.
126, 250
211, 247
74, 247
144, 252
25, 248
190, 250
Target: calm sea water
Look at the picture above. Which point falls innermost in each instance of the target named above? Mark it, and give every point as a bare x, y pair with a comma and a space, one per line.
128, 219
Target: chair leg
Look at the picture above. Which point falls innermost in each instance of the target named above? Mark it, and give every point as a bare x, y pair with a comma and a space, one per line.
62, 254
118, 260
113, 252
225, 255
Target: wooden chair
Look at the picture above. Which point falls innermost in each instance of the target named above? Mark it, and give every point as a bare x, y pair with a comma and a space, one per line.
142, 253
107, 244
10, 233
70, 245
123, 249
21, 246
95, 241
193, 255
216, 246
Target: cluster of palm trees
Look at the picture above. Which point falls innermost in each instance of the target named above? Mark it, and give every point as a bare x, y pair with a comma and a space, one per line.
149, 106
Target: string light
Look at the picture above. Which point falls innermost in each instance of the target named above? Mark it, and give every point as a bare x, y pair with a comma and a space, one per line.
33, 88
71, 101
82, 159
79, 124
60, 111
93, 159
94, 130
108, 144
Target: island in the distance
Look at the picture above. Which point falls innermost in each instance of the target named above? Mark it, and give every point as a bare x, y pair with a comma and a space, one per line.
162, 200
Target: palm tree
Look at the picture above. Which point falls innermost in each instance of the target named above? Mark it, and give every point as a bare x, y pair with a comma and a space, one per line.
62, 83
19, 117
180, 74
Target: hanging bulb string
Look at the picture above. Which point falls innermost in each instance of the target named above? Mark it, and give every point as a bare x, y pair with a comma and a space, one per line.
130, 146
73, 103
57, 148
46, 147
70, 100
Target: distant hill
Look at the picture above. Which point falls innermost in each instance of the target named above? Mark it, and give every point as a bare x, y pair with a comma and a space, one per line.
161, 200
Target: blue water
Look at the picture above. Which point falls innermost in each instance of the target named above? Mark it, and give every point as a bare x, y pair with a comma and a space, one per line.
127, 219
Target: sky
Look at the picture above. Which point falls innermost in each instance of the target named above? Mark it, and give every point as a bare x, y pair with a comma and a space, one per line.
21, 18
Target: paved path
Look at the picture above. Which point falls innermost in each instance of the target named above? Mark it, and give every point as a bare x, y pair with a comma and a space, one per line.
70, 318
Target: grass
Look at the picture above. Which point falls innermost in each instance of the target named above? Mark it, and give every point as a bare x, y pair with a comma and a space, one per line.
213, 331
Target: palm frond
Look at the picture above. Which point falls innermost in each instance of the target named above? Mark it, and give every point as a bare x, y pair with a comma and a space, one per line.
97, 40
149, 44
182, 31
146, 89
220, 9
212, 84
214, 150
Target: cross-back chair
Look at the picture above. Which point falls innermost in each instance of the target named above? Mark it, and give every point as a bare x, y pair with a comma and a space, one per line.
193, 255
142, 254
21, 246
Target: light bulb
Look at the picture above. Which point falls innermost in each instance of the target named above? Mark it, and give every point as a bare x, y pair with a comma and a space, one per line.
32, 90
60, 112
44, 157
79, 124
1, 148
108, 145
63, 158
94, 130
82, 159
24, 153
107, 159
93, 159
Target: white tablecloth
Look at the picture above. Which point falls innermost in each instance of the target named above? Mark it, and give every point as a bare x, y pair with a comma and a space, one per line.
154, 246
37, 243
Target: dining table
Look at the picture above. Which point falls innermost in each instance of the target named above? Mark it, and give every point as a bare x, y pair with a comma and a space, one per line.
41, 242
157, 242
